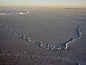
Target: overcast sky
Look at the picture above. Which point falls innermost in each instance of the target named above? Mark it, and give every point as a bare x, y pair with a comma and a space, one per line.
43, 3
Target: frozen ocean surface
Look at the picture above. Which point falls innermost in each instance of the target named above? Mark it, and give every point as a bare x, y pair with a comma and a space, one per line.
49, 28
54, 28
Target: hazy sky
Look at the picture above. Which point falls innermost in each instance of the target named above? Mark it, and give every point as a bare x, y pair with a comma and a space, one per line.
43, 3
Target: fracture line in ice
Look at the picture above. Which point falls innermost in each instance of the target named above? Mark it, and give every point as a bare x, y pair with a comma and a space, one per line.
70, 60
47, 46
78, 20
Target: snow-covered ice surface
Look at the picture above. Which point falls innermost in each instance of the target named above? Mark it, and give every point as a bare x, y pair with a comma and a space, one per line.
49, 28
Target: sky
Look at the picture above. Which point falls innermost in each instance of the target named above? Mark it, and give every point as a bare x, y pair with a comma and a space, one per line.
44, 3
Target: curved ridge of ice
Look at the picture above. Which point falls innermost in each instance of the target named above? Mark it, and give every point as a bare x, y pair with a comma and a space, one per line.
48, 45
74, 39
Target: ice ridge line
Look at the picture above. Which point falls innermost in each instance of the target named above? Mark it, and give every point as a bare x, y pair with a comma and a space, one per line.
47, 46
74, 39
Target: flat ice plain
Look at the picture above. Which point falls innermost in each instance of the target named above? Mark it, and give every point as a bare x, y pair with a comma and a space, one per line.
61, 31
